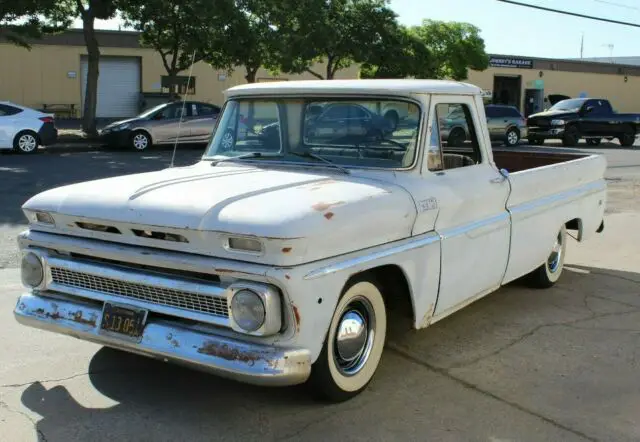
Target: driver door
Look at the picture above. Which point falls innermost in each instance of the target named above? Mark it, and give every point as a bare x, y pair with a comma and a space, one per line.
169, 124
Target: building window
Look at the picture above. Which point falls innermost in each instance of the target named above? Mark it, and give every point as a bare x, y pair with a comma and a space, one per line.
184, 85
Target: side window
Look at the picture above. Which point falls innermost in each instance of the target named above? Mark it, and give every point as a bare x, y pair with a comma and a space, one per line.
204, 109
434, 149
357, 112
598, 107
336, 113
9, 110
513, 113
491, 112
458, 138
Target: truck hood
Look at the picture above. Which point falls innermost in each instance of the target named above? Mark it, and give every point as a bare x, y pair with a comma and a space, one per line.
555, 114
299, 215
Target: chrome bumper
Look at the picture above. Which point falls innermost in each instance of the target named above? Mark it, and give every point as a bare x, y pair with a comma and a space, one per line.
226, 357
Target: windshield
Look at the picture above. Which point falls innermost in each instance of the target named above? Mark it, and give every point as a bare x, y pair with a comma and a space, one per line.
149, 112
567, 105
358, 133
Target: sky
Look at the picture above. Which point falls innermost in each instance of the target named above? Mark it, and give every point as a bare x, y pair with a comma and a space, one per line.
516, 30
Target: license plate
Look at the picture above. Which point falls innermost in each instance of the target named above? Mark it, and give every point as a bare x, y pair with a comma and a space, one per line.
123, 321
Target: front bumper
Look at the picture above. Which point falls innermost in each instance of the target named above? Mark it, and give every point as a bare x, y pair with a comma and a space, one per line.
169, 341
554, 132
115, 138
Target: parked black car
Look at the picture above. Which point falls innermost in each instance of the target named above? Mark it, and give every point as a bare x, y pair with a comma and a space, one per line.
590, 118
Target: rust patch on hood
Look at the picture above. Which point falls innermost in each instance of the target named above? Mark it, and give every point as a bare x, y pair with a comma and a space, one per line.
77, 317
230, 354
286, 249
322, 206
328, 215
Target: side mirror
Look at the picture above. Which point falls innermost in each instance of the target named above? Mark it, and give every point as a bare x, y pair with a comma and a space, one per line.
588, 109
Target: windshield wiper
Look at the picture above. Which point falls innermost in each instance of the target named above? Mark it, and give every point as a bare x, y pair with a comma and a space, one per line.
308, 154
245, 156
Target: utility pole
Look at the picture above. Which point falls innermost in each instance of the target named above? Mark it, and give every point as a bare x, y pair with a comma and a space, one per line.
610, 46
582, 45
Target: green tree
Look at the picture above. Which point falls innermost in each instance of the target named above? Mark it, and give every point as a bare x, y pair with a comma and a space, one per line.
398, 54
24, 20
337, 32
455, 48
183, 33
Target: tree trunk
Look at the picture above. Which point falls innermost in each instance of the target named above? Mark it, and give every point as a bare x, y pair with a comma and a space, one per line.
93, 71
173, 88
251, 74
330, 70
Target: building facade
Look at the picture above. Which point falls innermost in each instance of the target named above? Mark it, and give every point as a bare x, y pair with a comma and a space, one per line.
53, 73
533, 84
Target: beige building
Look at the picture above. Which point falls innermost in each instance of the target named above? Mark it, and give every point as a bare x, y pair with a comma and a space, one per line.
51, 75
531, 84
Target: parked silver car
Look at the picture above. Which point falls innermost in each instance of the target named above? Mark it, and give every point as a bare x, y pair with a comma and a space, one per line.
189, 122
505, 124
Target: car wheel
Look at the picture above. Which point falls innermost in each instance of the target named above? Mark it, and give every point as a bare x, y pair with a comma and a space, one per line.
393, 119
227, 141
593, 141
26, 142
456, 138
536, 141
354, 343
549, 272
571, 137
140, 141
512, 137
628, 137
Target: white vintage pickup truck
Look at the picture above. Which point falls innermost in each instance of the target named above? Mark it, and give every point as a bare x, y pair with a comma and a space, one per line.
277, 258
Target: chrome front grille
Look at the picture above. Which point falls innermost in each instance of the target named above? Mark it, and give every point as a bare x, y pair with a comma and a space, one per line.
195, 302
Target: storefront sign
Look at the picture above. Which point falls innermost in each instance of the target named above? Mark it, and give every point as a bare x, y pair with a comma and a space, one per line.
508, 62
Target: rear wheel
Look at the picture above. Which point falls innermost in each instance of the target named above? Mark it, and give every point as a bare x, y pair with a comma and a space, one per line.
571, 137
456, 138
628, 137
26, 142
354, 343
536, 141
549, 272
513, 137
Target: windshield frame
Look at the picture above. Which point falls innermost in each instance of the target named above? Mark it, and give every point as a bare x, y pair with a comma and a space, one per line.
581, 100
333, 98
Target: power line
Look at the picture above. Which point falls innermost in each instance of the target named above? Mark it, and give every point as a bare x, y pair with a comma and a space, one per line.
620, 5
574, 14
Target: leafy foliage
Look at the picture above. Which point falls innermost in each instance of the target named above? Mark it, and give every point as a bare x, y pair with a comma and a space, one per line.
183, 33
455, 47
22, 20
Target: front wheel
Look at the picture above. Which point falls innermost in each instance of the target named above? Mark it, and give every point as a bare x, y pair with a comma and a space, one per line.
571, 137
513, 137
594, 141
354, 343
456, 138
140, 141
536, 141
549, 272
628, 137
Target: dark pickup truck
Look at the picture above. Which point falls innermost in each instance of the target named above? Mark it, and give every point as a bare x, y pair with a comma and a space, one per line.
590, 118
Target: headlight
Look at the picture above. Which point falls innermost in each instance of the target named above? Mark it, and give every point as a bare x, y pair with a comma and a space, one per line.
39, 217
557, 122
121, 127
32, 270
248, 310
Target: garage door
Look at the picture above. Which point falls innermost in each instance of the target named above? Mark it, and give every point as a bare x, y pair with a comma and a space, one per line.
118, 86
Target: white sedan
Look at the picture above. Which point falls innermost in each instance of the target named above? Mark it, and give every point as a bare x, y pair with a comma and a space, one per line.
23, 129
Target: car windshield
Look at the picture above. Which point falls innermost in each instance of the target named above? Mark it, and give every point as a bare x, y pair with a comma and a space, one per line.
151, 111
567, 105
362, 132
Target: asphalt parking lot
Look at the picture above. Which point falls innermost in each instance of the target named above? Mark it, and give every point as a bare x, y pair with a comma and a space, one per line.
520, 365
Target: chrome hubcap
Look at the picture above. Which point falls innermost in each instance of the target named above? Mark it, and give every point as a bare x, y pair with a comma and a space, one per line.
27, 143
354, 337
556, 254
513, 138
227, 141
140, 142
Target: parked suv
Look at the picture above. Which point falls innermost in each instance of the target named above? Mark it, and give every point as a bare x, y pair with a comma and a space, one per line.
505, 124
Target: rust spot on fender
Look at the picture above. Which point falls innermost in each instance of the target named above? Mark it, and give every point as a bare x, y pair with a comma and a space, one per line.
77, 317
39, 311
296, 313
328, 215
287, 276
230, 354
322, 206
286, 249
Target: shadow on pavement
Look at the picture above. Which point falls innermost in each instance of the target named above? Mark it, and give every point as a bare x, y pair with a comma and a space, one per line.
547, 351
24, 176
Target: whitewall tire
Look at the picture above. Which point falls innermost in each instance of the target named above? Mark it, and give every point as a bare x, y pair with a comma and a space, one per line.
355, 340
550, 271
